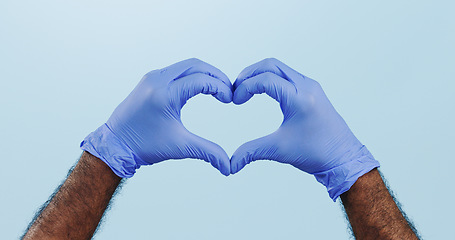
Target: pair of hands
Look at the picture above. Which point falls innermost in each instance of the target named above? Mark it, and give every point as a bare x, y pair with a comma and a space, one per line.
146, 127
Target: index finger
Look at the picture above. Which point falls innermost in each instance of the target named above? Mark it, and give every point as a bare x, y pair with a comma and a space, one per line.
194, 65
271, 65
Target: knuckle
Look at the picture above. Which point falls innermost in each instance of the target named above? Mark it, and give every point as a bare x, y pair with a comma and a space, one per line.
315, 87
270, 60
195, 61
313, 82
151, 74
312, 96
268, 76
268, 79
199, 75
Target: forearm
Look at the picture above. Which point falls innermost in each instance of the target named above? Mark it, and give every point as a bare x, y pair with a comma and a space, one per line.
78, 206
372, 211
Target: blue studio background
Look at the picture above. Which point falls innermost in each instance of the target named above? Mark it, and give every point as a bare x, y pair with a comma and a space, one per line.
387, 66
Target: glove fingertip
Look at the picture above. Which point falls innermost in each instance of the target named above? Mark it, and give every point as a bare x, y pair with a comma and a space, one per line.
241, 98
221, 164
225, 166
223, 97
234, 170
225, 173
236, 164
219, 160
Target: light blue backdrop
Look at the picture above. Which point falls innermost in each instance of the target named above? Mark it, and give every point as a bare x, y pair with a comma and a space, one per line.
387, 66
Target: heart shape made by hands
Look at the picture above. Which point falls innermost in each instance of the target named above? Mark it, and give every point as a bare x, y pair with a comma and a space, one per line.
146, 128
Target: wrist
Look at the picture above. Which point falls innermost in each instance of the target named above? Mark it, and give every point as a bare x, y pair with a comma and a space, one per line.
105, 145
340, 179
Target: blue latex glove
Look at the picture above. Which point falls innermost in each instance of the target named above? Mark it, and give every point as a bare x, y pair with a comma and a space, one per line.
313, 137
146, 127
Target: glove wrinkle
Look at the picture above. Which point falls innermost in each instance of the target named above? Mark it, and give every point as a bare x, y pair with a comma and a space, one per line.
312, 137
146, 127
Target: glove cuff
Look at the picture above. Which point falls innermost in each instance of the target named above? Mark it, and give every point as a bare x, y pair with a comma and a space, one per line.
340, 179
103, 144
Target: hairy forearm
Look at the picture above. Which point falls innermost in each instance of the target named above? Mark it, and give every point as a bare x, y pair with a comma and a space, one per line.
78, 206
372, 211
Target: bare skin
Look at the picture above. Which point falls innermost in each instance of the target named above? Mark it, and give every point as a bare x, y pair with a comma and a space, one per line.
372, 211
78, 206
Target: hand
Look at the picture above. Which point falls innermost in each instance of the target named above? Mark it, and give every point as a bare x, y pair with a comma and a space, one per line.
313, 137
146, 127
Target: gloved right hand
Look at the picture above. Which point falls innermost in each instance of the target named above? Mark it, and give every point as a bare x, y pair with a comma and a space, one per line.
146, 127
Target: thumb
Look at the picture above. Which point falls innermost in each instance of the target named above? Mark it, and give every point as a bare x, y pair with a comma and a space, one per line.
259, 149
208, 151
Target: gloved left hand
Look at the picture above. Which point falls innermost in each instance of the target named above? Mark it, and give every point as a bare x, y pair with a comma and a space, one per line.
313, 136
146, 127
